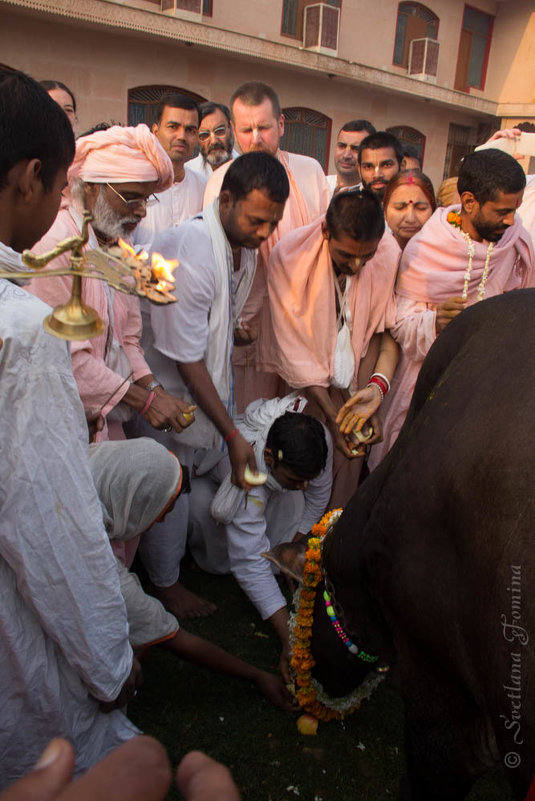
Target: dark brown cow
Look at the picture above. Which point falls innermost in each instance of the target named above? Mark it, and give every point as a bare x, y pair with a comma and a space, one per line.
433, 560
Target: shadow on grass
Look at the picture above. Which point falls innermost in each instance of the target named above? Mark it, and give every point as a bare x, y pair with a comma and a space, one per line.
188, 708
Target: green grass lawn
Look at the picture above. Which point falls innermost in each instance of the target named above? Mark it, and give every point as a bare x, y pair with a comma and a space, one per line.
189, 708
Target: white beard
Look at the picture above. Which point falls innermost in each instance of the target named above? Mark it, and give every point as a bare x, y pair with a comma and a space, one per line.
109, 222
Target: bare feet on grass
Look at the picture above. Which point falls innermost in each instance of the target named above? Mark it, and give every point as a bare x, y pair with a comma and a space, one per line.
183, 603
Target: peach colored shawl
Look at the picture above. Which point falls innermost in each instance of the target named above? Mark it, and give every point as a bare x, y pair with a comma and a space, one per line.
303, 305
121, 155
434, 263
526, 212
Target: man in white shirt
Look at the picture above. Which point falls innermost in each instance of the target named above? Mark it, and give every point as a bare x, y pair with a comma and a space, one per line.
347, 175
258, 125
294, 450
177, 131
216, 139
193, 341
64, 647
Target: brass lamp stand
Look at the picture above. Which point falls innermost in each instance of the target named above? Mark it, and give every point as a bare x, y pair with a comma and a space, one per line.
120, 266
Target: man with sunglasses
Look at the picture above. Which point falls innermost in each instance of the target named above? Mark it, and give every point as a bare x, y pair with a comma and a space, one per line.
176, 129
113, 175
216, 139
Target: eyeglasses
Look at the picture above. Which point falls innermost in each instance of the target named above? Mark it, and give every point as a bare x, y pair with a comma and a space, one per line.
135, 202
220, 131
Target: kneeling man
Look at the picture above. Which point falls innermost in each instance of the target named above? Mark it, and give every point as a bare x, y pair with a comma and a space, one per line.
293, 449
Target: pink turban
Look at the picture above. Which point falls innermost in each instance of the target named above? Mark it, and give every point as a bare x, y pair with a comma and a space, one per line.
121, 155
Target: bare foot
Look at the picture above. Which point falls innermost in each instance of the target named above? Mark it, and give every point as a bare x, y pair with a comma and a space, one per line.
182, 602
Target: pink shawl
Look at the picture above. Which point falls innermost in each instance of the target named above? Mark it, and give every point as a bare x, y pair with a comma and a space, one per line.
121, 155
434, 263
303, 305
526, 212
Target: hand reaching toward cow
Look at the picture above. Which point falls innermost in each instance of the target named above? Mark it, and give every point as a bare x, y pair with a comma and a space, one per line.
358, 410
447, 311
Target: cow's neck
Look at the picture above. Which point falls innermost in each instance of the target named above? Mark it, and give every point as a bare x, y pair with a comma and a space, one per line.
345, 569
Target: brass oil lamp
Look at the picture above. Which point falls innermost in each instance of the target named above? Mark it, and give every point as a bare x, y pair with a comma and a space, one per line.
119, 265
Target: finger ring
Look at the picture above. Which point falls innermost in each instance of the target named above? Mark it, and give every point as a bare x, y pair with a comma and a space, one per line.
167, 428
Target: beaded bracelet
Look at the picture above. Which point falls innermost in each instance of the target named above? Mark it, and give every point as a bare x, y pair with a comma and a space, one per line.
351, 647
231, 434
377, 385
381, 382
151, 397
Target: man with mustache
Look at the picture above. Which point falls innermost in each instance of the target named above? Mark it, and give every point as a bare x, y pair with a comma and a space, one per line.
380, 157
216, 139
346, 155
176, 130
463, 254
114, 175
258, 125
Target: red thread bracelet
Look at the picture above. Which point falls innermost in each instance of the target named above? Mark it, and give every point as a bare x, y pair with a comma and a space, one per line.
231, 434
151, 397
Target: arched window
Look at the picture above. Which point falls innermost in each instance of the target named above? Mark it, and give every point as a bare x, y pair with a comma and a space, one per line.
414, 22
142, 102
307, 132
410, 136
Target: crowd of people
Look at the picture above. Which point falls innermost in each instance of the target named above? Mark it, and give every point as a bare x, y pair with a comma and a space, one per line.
222, 424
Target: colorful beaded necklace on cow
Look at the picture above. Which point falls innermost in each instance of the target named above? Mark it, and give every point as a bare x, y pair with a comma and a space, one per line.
309, 692
454, 218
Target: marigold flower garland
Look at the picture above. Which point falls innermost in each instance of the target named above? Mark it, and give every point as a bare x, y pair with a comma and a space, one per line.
454, 218
309, 692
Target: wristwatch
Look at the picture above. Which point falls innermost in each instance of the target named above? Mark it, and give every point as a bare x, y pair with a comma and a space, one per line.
152, 385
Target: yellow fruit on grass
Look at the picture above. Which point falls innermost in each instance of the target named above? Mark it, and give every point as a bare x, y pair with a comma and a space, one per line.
307, 724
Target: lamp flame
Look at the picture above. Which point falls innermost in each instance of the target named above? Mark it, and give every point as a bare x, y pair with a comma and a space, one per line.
127, 249
162, 269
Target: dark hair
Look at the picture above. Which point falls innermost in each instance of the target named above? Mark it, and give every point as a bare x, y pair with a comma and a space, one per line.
411, 152
32, 126
205, 109
406, 178
255, 92
48, 85
99, 126
176, 100
485, 172
358, 125
357, 213
300, 441
381, 139
257, 170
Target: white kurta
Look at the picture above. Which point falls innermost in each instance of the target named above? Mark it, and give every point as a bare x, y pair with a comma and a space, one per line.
266, 516
182, 331
178, 203
63, 626
186, 332
198, 164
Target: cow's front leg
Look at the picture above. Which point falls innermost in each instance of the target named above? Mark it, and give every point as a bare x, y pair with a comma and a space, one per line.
444, 743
